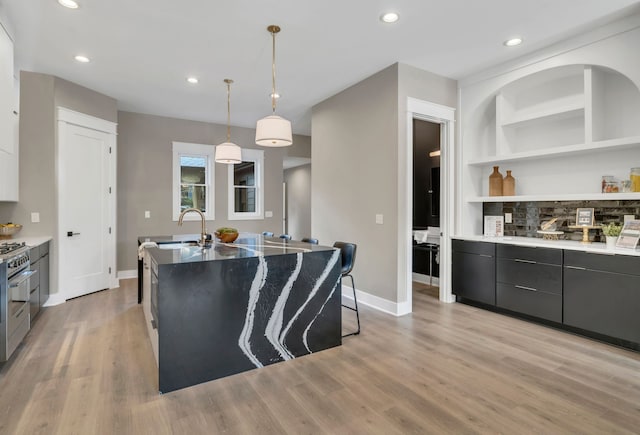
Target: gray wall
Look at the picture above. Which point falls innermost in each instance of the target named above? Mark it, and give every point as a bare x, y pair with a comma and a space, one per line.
40, 94
354, 140
298, 181
357, 137
144, 179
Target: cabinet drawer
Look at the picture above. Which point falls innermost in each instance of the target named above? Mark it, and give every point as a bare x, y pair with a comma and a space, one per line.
538, 276
527, 253
34, 254
472, 247
44, 249
533, 303
607, 263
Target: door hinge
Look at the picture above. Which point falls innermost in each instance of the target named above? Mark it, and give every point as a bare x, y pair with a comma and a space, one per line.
109, 271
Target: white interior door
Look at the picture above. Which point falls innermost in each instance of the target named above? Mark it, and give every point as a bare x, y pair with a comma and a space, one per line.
86, 194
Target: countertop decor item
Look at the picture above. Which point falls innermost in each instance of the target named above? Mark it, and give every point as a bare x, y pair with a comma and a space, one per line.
635, 179
508, 185
550, 235
611, 232
585, 232
495, 182
8, 230
549, 225
226, 234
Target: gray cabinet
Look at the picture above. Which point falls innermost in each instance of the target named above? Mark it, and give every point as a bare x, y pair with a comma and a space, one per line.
602, 294
39, 257
34, 296
529, 281
44, 273
474, 271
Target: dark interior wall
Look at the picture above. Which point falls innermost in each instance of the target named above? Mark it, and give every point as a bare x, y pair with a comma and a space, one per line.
426, 138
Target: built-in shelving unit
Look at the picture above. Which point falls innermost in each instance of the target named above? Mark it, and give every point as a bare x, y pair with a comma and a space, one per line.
593, 147
559, 197
559, 130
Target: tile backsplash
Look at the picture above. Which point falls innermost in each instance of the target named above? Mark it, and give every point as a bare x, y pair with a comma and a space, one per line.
527, 216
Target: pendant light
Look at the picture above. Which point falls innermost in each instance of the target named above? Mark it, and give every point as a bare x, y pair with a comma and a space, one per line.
273, 130
228, 152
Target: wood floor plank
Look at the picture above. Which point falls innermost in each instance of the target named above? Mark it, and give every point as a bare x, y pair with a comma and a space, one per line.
87, 367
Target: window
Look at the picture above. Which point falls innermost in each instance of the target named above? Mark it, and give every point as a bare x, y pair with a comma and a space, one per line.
193, 176
246, 193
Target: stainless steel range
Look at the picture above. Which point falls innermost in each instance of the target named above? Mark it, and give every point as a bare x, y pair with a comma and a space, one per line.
14, 296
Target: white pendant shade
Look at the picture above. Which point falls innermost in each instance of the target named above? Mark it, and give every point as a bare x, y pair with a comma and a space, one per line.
228, 153
273, 131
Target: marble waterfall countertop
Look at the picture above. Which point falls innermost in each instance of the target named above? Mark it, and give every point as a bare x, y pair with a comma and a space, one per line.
240, 306
247, 245
597, 248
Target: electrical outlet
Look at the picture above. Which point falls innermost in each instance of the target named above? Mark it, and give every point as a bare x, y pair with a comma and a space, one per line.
35, 217
268, 214
379, 219
508, 218
147, 214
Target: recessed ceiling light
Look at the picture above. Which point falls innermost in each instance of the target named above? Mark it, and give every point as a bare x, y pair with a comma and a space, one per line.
82, 59
513, 42
192, 80
276, 95
68, 4
390, 17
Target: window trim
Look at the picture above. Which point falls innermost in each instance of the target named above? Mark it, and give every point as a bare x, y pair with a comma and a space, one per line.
257, 157
193, 149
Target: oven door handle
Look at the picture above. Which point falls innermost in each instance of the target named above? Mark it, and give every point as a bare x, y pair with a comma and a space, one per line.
19, 279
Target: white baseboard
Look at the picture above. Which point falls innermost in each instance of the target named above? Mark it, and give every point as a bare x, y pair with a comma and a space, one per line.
424, 279
375, 302
55, 299
127, 274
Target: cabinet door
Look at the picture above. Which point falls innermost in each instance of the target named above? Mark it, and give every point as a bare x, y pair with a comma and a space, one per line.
44, 277
602, 302
474, 276
6, 94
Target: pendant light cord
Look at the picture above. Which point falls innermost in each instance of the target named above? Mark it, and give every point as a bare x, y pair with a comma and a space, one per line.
228, 82
273, 73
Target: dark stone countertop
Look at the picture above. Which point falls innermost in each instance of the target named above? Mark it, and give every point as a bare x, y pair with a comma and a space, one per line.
247, 245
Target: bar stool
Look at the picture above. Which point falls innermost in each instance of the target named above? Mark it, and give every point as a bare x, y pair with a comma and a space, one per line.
348, 256
267, 233
285, 236
310, 240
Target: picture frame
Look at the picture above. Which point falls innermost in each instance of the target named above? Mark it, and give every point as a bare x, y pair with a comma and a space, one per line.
494, 226
629, 235
585, 217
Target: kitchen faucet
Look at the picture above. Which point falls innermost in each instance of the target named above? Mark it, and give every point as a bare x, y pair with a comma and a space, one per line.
203, 234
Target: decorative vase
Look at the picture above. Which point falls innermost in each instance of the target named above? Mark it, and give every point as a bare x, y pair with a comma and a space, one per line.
509, 185
495, 182
611, 241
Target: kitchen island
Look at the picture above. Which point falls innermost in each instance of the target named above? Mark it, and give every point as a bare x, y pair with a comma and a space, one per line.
213, 312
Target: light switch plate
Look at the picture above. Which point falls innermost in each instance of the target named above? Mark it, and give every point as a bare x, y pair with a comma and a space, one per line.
268, 214
35, 217
147, 214
508, 218
379, 219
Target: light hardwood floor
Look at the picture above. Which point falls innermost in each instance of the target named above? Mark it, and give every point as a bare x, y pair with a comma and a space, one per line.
87, 368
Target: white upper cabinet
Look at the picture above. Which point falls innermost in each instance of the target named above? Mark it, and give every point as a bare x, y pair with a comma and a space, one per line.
8, 122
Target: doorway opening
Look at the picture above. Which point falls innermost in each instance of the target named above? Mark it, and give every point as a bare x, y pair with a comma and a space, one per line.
426, 207
444, 117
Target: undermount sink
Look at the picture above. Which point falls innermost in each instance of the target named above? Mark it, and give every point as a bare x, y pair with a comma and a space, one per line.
176, 244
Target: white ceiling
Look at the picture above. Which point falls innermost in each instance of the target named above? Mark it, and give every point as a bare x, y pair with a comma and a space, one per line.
143, 50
